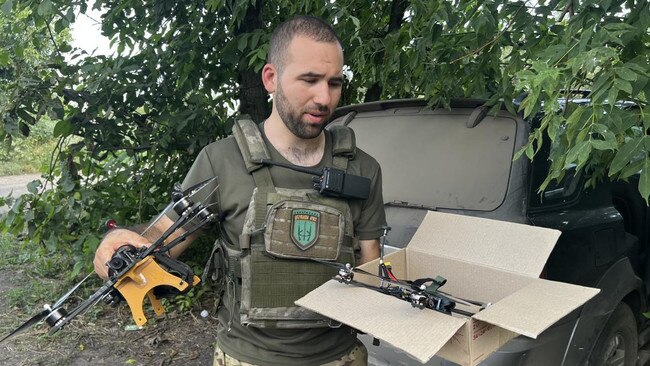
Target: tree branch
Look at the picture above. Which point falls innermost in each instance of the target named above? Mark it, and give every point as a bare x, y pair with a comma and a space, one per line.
493, 40
49, 30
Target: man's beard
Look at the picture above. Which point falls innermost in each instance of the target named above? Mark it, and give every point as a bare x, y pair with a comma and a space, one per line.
293, 119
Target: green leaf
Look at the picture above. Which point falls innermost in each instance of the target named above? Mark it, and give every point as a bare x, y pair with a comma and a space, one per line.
609, 139
626, 74
623, 85
34, 186
44, 8
91, 243
603, 145
241, 42
638, 68
519, 153
29, 215
646, 120
59, 26
25, 116
76, 269
625, 154
213, 5
644, 181
51, 243
68, 237
355, 21
260, 56
619, 27
574, 118
62, 128
436, 32
600, 82
631, 169
255, 39
67, 184
7, 6
4, 58
530, 153
578, 154
612, 96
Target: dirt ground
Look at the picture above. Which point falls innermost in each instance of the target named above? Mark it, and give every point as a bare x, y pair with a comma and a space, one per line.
100, 337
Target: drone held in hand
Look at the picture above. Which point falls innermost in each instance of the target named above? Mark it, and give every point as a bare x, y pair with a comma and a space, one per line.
136, 273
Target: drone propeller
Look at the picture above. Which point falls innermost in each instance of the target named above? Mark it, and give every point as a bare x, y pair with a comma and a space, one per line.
51, 314
57, 317
26, 325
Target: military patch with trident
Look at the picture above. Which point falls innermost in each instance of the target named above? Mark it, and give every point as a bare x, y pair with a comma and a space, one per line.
304, 228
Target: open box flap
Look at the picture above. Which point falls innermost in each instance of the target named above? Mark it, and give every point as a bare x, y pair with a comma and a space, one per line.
517, 248
384, 317
536, 307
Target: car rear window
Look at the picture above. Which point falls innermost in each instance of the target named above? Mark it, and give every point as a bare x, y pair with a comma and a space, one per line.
431, 158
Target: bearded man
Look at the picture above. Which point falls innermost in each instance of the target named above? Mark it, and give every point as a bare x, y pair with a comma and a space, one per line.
275, 228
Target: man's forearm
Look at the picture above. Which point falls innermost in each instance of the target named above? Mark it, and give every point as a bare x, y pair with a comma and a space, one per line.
152, 234
157, 229
153, 231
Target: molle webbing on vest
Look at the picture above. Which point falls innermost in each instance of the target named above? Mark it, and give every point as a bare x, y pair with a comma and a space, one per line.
318, 236
291, 280
275, 271
284, 229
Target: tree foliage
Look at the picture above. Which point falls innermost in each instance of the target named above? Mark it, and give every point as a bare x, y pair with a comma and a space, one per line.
26, 48
130, 123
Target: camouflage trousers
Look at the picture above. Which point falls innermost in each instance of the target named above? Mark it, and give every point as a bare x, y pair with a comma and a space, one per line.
358, 356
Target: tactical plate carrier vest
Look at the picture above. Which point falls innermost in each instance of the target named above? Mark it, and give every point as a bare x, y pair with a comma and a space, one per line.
283, 230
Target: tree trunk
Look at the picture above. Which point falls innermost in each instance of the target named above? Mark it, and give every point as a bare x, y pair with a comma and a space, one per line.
397, 9
253, 97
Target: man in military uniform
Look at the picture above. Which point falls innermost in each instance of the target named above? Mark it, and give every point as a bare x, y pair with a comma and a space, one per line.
275, 227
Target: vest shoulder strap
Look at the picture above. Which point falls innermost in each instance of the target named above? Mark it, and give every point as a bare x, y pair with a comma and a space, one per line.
343, 141
343, 145
251, 144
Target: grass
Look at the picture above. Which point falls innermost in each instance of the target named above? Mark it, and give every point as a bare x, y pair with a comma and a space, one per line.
27, 161
31, 154
43, 276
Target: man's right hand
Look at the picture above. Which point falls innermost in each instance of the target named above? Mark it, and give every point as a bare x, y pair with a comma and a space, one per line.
111, 242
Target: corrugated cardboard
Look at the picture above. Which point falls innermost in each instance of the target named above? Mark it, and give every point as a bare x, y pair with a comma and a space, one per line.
485, 260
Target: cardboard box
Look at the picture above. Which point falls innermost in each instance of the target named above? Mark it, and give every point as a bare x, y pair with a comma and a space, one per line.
485, 260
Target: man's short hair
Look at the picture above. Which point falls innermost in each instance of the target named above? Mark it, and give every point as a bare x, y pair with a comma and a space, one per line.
304, 25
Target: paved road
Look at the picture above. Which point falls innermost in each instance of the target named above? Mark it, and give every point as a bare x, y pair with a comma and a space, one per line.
16, 185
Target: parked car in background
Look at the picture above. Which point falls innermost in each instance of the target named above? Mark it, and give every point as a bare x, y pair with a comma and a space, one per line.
460, 160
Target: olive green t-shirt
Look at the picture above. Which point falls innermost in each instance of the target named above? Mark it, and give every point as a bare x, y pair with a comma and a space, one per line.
267, 346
